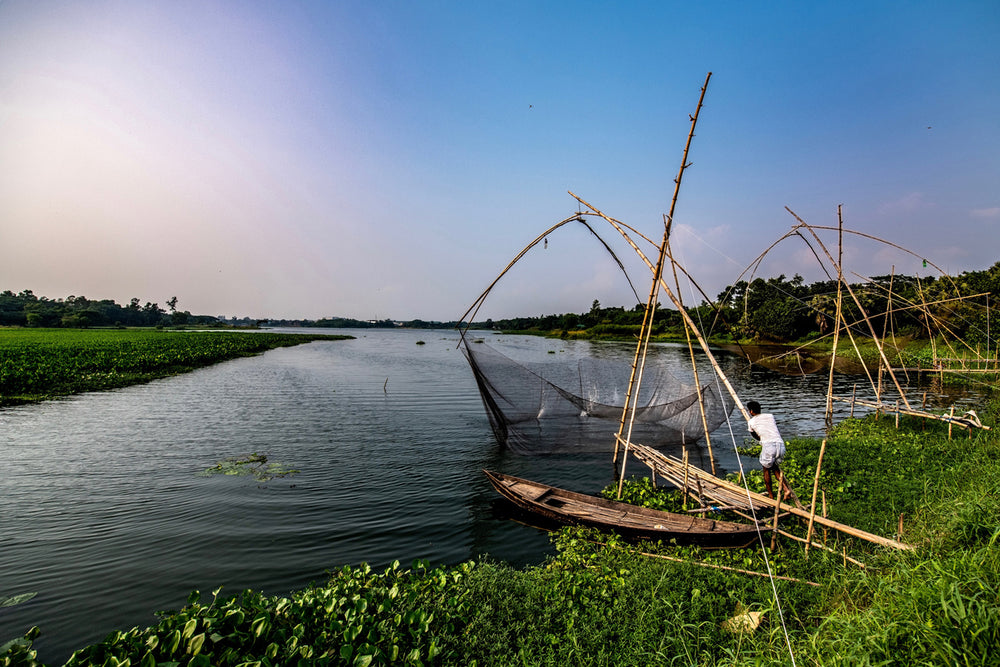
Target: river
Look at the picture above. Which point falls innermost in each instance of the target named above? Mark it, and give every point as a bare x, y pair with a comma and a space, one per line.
106, 516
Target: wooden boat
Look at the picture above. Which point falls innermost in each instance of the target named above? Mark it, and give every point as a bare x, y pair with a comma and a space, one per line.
633, 521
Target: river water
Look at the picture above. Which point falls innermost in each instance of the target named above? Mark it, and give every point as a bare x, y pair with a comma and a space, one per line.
105, 515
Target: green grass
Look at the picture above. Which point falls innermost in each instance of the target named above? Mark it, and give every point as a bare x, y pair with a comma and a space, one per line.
40, 364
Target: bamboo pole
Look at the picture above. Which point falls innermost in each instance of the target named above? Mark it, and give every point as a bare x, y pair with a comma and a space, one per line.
917, 413
478, 303
812, 505
643, 344
823, 493
686, 470
927, 320
837, 316
728, 569
777, 510
885, 324
792, 536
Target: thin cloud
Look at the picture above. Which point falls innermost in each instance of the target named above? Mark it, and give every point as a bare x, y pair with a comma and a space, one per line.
986, 213
906, 204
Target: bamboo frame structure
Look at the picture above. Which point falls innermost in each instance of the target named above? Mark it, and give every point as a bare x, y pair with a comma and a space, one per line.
857, 302
731, 496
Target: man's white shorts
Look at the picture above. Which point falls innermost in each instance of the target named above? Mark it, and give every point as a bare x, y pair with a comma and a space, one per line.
771, 453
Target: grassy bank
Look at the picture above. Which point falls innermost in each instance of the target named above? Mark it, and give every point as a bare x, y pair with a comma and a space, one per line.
603, 602
40, 364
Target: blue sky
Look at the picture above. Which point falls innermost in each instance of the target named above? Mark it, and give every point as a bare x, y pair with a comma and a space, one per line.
387, 159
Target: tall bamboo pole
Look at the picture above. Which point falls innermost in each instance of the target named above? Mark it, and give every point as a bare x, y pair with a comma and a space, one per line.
629, 411
836, 330
885, 322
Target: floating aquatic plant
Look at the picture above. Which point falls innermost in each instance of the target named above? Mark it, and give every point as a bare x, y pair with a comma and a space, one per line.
253, 464
16, 599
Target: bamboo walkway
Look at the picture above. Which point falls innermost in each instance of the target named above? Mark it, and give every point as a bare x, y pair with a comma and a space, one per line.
732, 496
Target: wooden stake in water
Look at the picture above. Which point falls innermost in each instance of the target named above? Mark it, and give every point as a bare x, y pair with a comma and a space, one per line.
812, 505
777, 509
685, 478
825, 533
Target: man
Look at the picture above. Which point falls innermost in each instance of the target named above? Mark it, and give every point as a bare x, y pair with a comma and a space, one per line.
772, 445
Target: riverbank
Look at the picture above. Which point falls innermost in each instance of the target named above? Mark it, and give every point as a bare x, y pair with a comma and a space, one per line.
906, 354
602, 602
41, 364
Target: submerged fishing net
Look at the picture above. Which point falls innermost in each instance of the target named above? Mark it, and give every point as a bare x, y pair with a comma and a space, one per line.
577, 406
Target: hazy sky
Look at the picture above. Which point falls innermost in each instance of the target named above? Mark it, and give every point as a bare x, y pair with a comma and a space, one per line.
386, 159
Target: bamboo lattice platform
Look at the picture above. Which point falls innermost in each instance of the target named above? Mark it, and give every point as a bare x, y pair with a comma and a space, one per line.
721, 492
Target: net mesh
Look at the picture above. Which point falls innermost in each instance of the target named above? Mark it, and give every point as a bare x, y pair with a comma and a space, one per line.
577, 407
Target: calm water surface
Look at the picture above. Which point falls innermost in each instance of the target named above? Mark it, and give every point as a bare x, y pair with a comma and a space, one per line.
104, 514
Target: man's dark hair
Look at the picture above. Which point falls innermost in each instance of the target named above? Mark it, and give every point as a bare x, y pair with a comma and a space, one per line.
753, 406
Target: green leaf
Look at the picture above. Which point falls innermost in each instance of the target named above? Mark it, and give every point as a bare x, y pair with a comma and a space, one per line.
189, 628
16, 599
194, 646
20, 641
175, 641
259, 626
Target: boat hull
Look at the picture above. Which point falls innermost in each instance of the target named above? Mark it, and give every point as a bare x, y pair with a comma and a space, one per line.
638, 523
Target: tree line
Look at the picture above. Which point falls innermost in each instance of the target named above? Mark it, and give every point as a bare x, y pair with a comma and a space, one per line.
772, 310
27, 309
783, 310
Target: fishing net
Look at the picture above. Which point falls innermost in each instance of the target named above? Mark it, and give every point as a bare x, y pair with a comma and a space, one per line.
546, 408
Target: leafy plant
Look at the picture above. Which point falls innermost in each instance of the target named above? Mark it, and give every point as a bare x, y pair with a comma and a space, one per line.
254, 464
